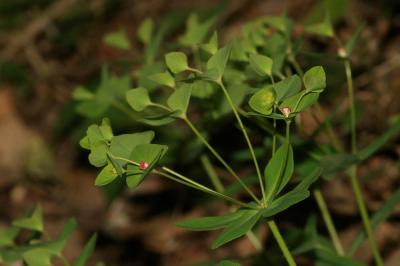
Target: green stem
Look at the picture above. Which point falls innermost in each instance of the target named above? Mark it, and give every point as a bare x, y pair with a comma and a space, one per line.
204, 188
353, 170
219, 187
281, 242
254, 240
171, 174
253, 155
328, 221
220, 159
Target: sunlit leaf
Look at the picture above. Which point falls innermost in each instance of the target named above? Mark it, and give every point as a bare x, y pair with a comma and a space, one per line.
118, 39
263, 101
138, 99
176, 62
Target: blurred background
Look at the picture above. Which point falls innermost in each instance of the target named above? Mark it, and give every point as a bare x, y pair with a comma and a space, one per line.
50, 47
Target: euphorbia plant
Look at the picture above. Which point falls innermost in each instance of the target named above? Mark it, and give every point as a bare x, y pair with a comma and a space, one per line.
255, 66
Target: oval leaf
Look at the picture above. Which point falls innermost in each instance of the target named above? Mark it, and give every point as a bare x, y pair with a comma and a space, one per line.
176, 62
138, 99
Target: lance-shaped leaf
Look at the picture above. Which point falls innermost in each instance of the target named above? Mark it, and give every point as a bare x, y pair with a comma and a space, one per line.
82, 94
263, 101
138, 99
179, 100
86, 252
147, 155
324, 28
176, 62
278, 171
217, 63
298, 194
261, 64
351, 43
212, 46
238, 227
315, 79
196, 31
211, 222
118, 39
229, 263
34, 222
161, 119
145, 31
164, 78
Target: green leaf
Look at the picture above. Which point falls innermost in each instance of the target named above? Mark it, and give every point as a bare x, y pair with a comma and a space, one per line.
146, 153
328, 258
218, 61
8, 235
179, 100
196, 31
202, 89
315, 79
335, 163
122, 146
381, 215
278, 171
176, 62
159, 120
34, 222
350, 44
263, 101
229, 263
306, 101
211, 222
118, 39
36, 257
105, 129
287, 87
106, 175
145, 30
86, 252
212, 46
282, 23
261, 64
298, 194
138, 99
237, 228
324, 28
164, 78
82, 94
56, 247
98, 155
376, 144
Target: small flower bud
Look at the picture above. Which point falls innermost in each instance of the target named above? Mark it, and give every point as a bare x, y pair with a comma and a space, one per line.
286, 111
342, 53
143, 165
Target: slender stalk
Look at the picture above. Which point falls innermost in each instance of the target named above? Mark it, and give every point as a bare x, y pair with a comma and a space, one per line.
175, 176
328, 221
254, 240
353, 170
253, 155
281, 242
220, 159
219, 187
